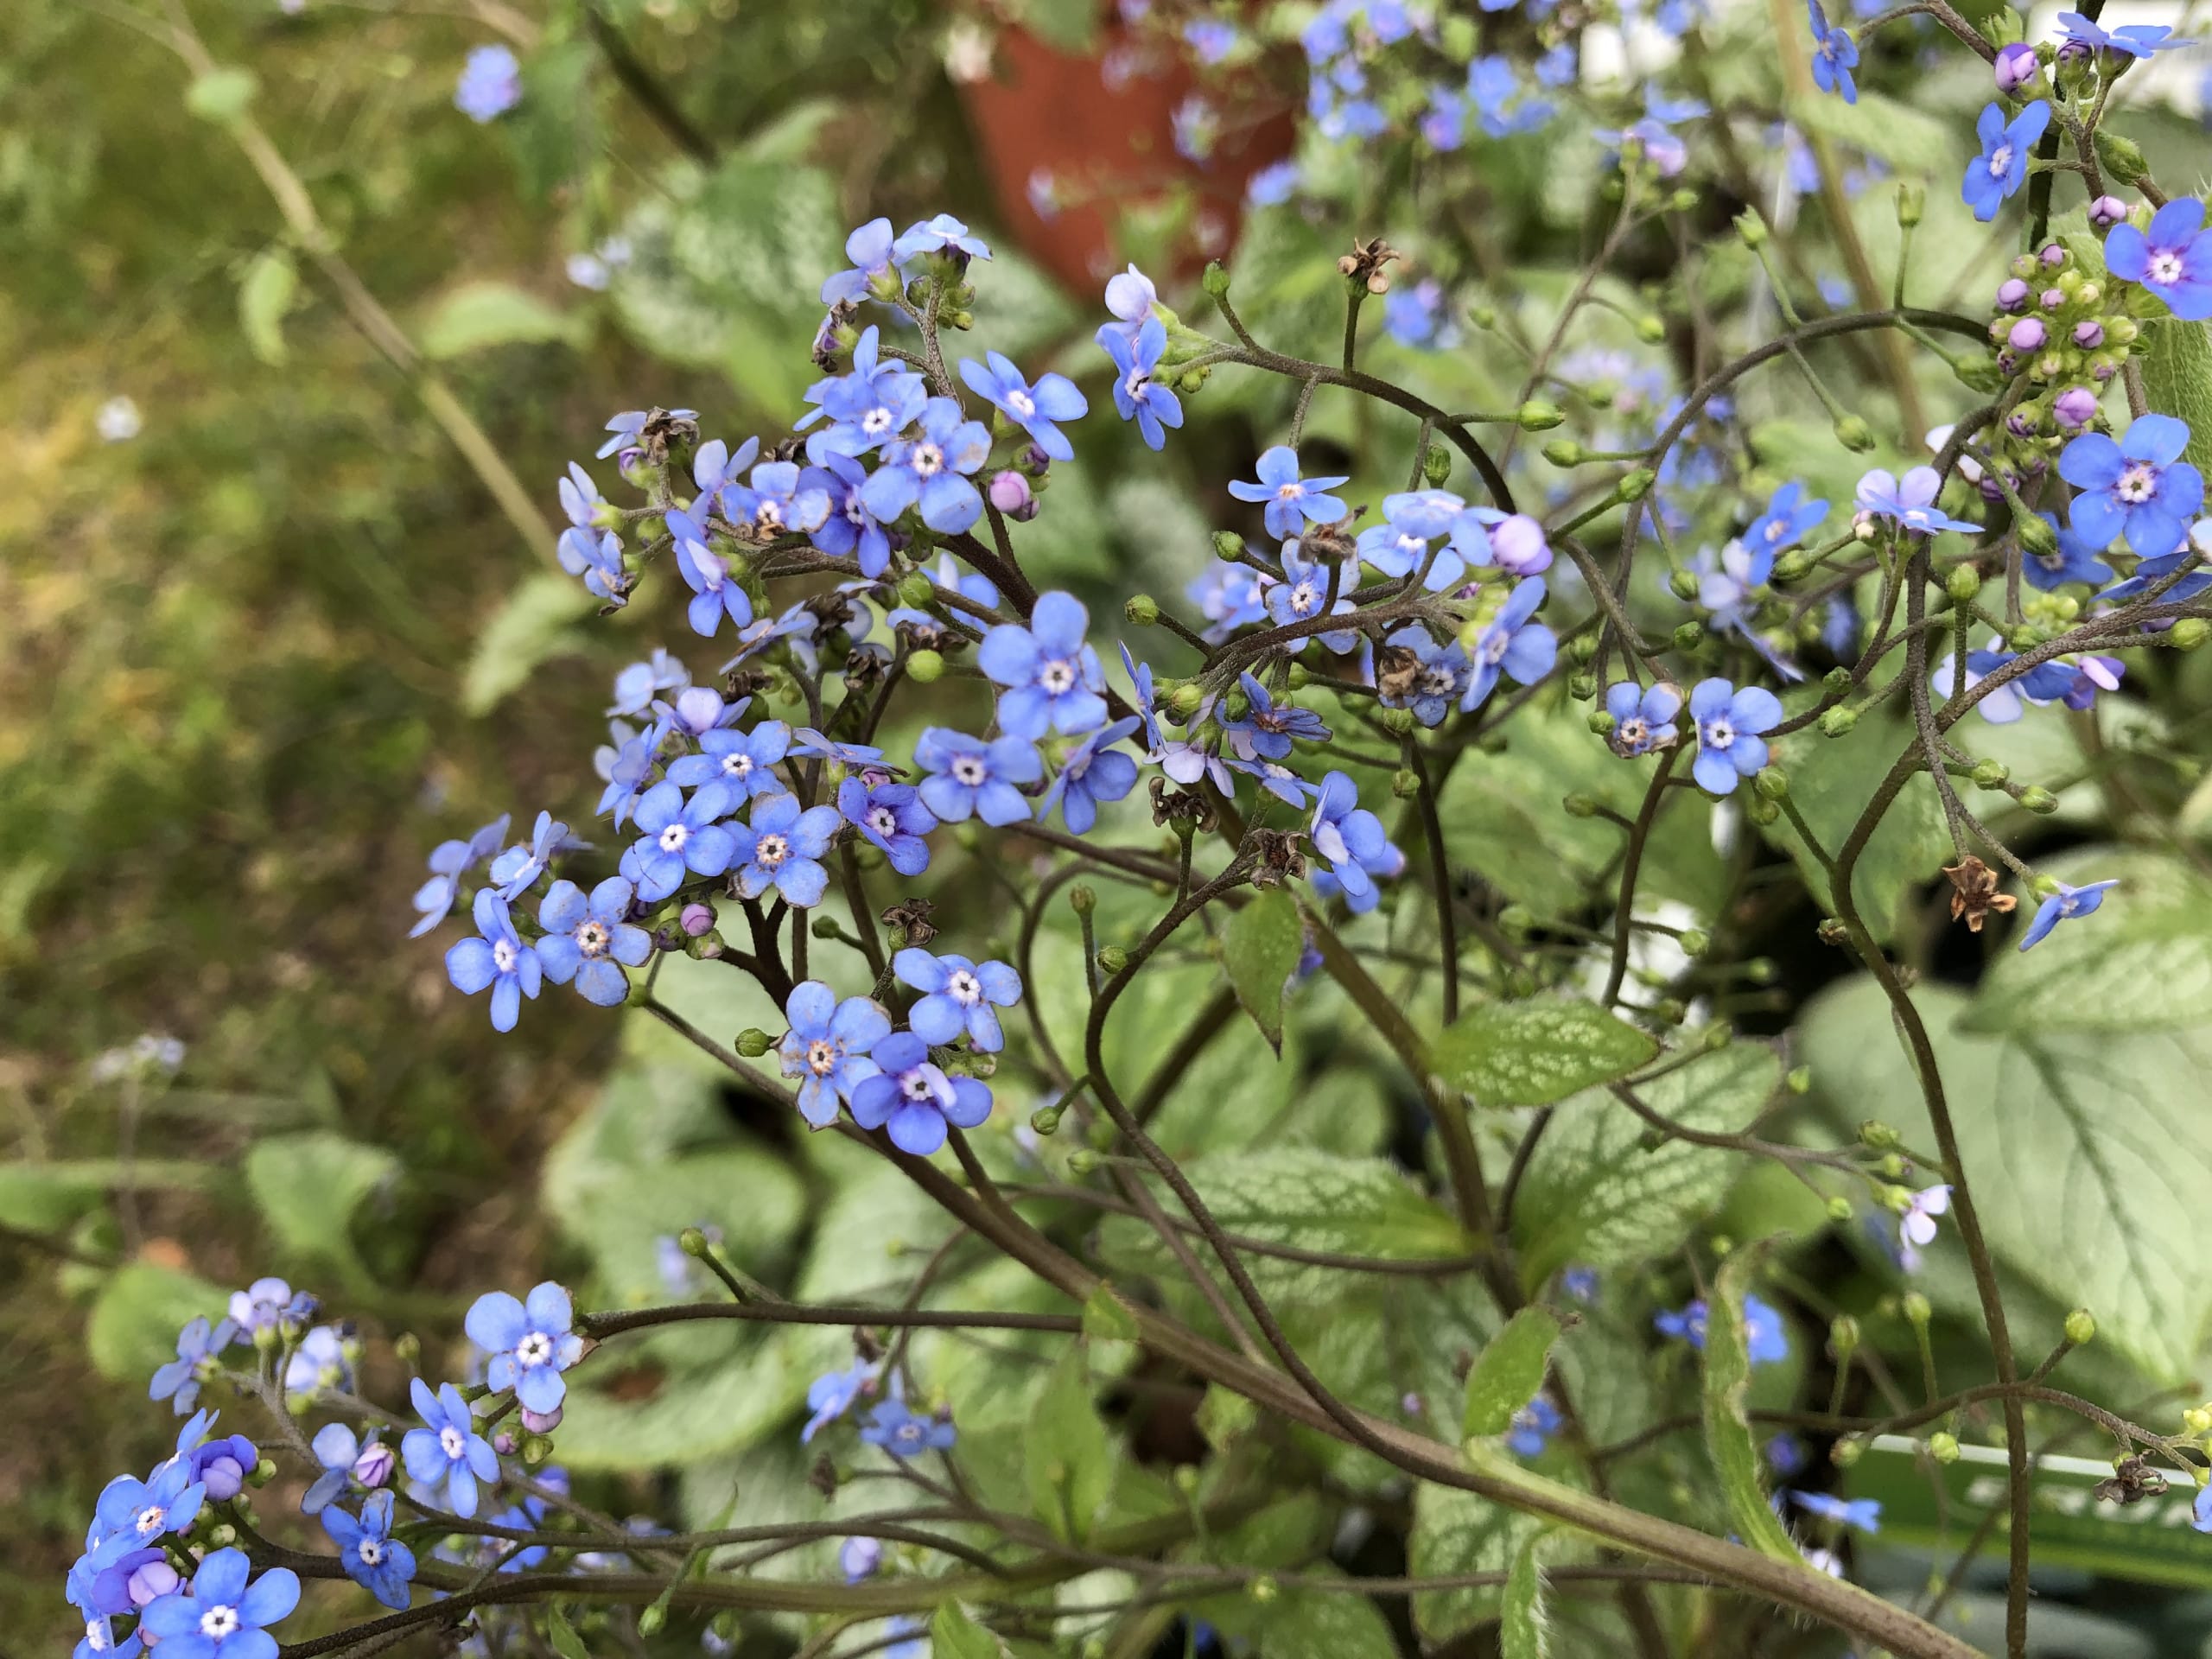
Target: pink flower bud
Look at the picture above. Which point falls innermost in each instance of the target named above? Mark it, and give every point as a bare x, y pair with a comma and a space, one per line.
505, 1443
2106, 211
2088, 333
2054, 255
2011, 294
2052, 299
374, 1466
2016, 67
696, 919
2027, 335
1010, 495
2076, 407
541, 1422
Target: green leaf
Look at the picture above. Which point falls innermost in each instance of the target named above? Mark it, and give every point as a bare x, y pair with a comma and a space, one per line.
265, 294
708, 1393
562, 1635
221, 94
1507, 1374
136, 1317
1307, 1624
46, 1198
1260, 947
535, 624
1069, 1453
954, 1635
1535, 1053
2177, 359
1524, 1631
476, 315
1727, 1430
1456, 1533
1907, 139
1593, 1194
1106, 1317
2103, 1214
308, 1186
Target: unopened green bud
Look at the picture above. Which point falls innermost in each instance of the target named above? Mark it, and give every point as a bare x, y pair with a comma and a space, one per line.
1186, 1479
1793, 565
1683, 584
1228, 545
1683, 201
1695, 942
225, 1535
650, 1618
1760, 810
1082, 1160
1854, 435
1083, 899
1470, 635
1234, 706
753, 1043
1718, 1035
2123, 157
1264, 1589
1537, 416
535, 1448
1601, 722
1843, 1338
2036, 536
915, 589
1580, 806
1582, 687
1895, 1199
824, 927
1670, 1010
264, 1473
1436, 464
1045, 1119
1397, 722
1298, 677
2037, 798
1563, 452
1483, 316
1800, 1080
1214, 280
1635, 486
1113, 959
1845, 1453
1751, 228
2080, 1327
1912, 202
407, 1348
924, 667
1650, 329
1185, 700
2188, 633
1838, 721
1840, 1209
1405, 782
1142, 609
1772, 782
1916, 1310
1892, 1164
1878, 1136
1687, 635
1516, 920
693, 1242
1943, 1446
1991, 774
1963, 584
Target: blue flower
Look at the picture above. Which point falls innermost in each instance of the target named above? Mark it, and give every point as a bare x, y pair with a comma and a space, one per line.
598, 560
745, 761
782, 849
1298, 597
133, 1514
1130, 296
975, 588
2136, 40
931, 470
1432, 681
858, 1558
1581, 1283
2002, 167
2173, 260
1292, 502
1532, 1427
320, 1362
1644, 720
490, 84
831, 1395
523, 863
1399, 546
222, 1615
372, 1558
2001, 706
638, 685
850, 530
943, 234
1137, 396
1230, 596
449, 1451
869, 248
714, 467
220, 1464
1035, 410
198, 1346
1789, 519
1419, 315
530, 1343
779, 501
1275, 183
1786, 1454
957, 997
1863, 1513
1091, 772
1278, 779
449, 862
1765, 1340
914, 1099
627, 764
2138, 487
261, 1305
1051, 676
969, 777
1512, 644
903, 1434
869, 407
1210, 39
1834, 54
1267, 730
1909, 502
2151, 572
827, 1047
2074, 559
682, 835
497, 960
2063, 906
1729, 722
813, 745
714, 592
1351, 838
892, 819
343, 1456
2072, 680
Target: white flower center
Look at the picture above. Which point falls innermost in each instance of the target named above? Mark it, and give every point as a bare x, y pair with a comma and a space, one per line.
915, 1085
1495, 645
737, 763
533, 1350
452, 1442
1437, 681
1633, 731
855, 513
822, 1057
2000, 159
673, 837
2165, 266
964, 989
876, 421
504, 956
883, 821
218, 1621
1290, 492
150, 1520
1021, 403
770, 851
927, 460
969, 769
1304, 597
371, 1552
2137, 485
1057, 677
1135, 386
96, 1637
769, 515
907, 1434
1719, 734
592, 938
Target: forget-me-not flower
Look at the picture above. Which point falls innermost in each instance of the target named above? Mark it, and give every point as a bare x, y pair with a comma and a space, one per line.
1051, 676
782, 848
531, 1343
827, 1047
1089, 774
957, 997
372, 1558
447, 1451
2006, 148
969, 777
1137, 396
2065, 905
496, 960
2138, 487
912, 1099
1292, 502
1036, 409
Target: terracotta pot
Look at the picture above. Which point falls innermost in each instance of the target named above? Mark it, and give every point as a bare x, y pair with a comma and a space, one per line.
1110, 146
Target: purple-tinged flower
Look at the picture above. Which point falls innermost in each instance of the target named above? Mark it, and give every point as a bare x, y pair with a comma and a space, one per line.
1272, 185
1130, 297
1137, 396
1439, 674
2002, 167
714, 592
2106, 211
1278, 779
1729, 724
513, 871
827, 1049
259, 1307
627, 764
1659, 144
490, 84
1909, 502
1532, 1427
448, 1452
850, 530
1301, 595
637, 686
1091, 772
2074, 559
2016, 66
1512, 644
449, 862
1789, 519
716, 466
1292, 502
1917, 1223
220, 1464
894, 820
1210, 39
858, 1558
497, 960
943, 235
869, 248
1727, 581
783, 848
914, 1100
1643, 718
1267, 730
2135, 40
2173, 258
2076, 406
1230, 596
530, 1343
682, 835
2063, 905
372, 1558
1051, 676
1581, 1283
957, 997
778, 502
1514, 543
134, 1514
1411, 521
900, 1432
831, 1395
2138, 487
1009, 491
969, 777
867, 406
1196, 128
930, 470
1785, 1454
1350, 838
598, 560
1865, 1514
343, 1457
813, 745
223, 1616
1419, 315
321, 1362
2001, 706
1834, 54
198, 1346
1036, 409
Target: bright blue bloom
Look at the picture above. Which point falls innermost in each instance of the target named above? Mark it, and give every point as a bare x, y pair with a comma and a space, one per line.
372, 1558
867, 406
1298, 597
1441, 674
1418, 314
1766, 1338
1834, 54
2138, 487
2061, 906
1512, 644
515, 869
901, 1433
1503, 104
1909, 502
714, 592
2001, 706
1350, 838
943, 234
915, 1100
2074, 560
827, 1049
1864, 1513
971, 777
2173, 260
1278, 779
198, 1346
930, 470
1036, 409
449, 1451
1789, 519
638, 685
2002, 167
530, 1343
892, 819
1581, 1283
1412, 520
449, 862
134, 1514
858, 1558
497, 960
744, 760
598, 560
682, 835
222, 1615
1786, 1454
976, 589
1273, 184
1292, 502
1532, 1427
1729, 722
1666, 152
1644, 720
1137, 396
778, 502
850, 530
343, 1457
1090, 773
490, 84
627, 764
831, 1395
782, 849
1051, 676
1559, 66
714, 467
1267, 729
957, 997
2151, 572
2136, 40
869, 248
813, 745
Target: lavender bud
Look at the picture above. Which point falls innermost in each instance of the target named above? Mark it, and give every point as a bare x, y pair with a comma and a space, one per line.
541, 1422
2088, 333
2052, 299
2011, 294
2027, 334
2054, 255
374, 1466
2076, 406
2106, 211
504, 1442
1010, 495
2016, 67
696, 919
